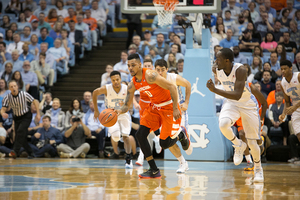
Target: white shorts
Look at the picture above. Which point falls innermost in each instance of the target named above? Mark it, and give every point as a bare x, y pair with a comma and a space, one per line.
296, 121
250, 118
2, 132
122, 127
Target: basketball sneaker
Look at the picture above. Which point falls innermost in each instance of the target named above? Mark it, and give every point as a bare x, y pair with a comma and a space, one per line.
292, 160
150, 174
128, 162
82, 155
140, 159
2, 155
184, 139
65, 155
183, 167
13, 154
239, 152
249, 167
258, 175
157, 145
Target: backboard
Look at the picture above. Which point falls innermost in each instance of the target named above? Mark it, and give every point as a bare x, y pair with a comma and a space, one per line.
184, 6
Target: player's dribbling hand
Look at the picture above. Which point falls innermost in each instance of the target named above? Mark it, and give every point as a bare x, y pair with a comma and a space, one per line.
281, 117
176, 113
210, 85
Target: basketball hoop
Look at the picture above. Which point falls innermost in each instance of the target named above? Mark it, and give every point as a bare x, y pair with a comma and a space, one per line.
165, 9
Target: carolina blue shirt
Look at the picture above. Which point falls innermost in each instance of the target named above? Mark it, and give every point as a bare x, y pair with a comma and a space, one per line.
48, 39
17, 65
297, 5
32, 48
85, 107
275, 67
51, 134
53, 35
46, 25
7, 56
2, 30
29, 78
57, 52
228, 44
39, 10
273, 12
25, 39
29, 57
240, 59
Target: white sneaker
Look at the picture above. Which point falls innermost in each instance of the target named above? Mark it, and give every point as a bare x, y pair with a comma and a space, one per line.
128, 166
239, 152
258, 175
157, 145
2, 155
140, 159
183, 167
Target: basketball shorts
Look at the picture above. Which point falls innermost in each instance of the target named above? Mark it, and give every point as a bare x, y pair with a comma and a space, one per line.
122, 127
296, 121
239, 123
161, 117
249, 115
144, 105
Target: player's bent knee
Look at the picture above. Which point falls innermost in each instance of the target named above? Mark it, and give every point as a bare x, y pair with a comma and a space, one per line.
252, 143
224, 123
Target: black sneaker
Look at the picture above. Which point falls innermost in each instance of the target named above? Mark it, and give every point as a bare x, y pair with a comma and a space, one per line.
184, 139
13, 154
31, 156
150, 174
114, 156
128, 158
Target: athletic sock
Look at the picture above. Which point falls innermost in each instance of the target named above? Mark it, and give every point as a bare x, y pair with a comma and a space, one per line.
257, 165
236, 142
181, 159
248, 158
152, 165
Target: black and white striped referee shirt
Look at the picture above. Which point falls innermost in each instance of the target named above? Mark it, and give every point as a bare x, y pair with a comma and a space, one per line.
19, 103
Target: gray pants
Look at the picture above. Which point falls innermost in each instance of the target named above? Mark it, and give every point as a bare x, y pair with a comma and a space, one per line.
85, 147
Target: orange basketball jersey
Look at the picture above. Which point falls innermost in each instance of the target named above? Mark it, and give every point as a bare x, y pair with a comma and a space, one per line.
156, 93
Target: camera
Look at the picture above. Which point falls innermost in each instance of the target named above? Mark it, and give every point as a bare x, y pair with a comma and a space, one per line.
40, 144
76, 119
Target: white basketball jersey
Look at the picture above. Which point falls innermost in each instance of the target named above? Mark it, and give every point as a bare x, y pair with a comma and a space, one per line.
247, 99
292, 89
112, 98
172, 78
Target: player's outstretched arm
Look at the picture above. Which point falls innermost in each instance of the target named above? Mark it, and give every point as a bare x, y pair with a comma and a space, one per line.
96, 93
236, 94
260, 97
129, 98
184, 83
153, 77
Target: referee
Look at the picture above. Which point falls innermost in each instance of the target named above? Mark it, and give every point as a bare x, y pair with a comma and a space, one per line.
20, 103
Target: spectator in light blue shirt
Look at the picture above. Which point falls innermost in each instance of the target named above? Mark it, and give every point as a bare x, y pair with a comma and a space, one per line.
59, 53
42, 9
275, 63
42, 23
242, 5
34, 47
30, 80
229, 42
34, 27
155, 25
45, 38
17, 64
26, 55
26, 35
239, 58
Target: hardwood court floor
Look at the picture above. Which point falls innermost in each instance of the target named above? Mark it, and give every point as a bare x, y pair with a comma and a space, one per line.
90, 179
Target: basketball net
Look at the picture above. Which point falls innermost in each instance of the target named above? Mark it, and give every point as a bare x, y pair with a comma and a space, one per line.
165, 9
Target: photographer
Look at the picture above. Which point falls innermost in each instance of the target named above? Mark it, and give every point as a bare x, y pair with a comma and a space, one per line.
45, 140
76, 145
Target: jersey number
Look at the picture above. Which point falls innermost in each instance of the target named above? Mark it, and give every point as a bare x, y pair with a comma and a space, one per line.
230, 87
294, 93
149, 93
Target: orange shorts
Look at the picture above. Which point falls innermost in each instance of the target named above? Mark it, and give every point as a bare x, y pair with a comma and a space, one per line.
143, 106
154, 118
239, 123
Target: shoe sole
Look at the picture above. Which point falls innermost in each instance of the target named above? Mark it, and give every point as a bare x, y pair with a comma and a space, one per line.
13, 154
178, 172
249, 169
258, 181
189, 150
142, 177
139, 164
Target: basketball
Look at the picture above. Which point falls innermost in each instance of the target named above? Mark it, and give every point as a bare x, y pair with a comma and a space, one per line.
108, 117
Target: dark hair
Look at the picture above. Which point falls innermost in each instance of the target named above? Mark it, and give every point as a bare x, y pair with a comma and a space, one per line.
5, 87
20, 82
180, 61
62, 2
50, 13
274, 52
277, 21
124, 51
179, 48
280, 93
261, 51
267, 71
252, 3
3, 43
287, 33
216, 46
227, 53
249, 16
272, 36
265, 64
65, 30
284, 11
43, 29
177, 36
114, 73
71, 21
286, 62
7, 18
173, 70
47, 117
19, 20
71, 106
283, 54
134, 56
218, 28
161, 63
160, 34
42, 54
148, 60
27, 27
14, 23
227, 11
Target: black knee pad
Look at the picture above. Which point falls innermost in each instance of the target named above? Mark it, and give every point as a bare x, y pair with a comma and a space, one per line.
165, 144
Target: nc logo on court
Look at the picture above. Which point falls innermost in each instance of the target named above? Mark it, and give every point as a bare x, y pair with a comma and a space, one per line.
201, 140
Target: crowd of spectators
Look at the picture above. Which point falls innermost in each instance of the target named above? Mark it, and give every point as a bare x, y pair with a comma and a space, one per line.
262, 33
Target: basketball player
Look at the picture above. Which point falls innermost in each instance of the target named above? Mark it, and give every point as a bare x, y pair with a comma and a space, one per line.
263, 106
290, 85
143, 104
115, 93
239, 102
163, 112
